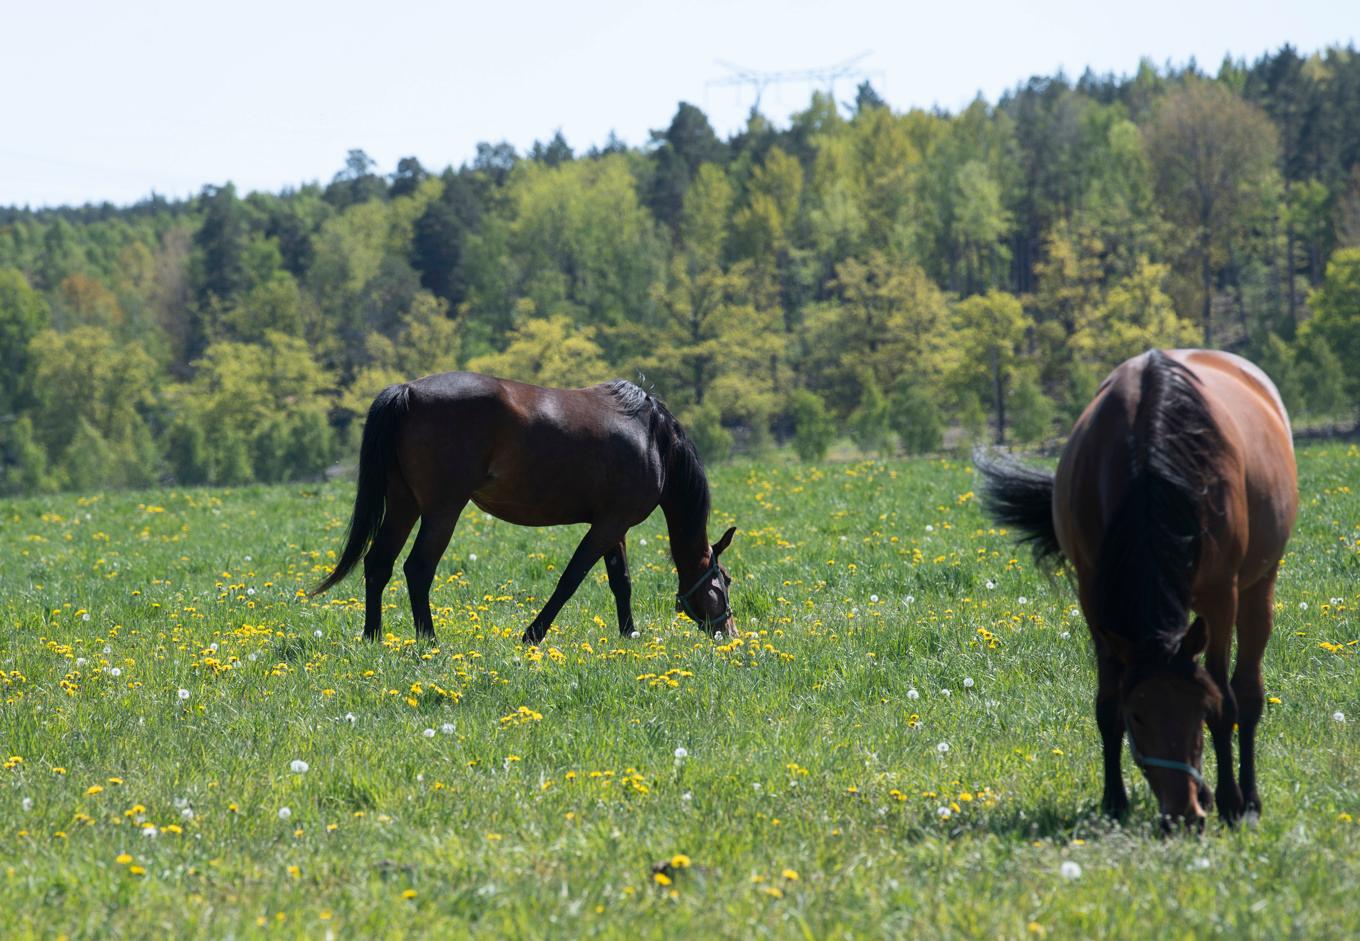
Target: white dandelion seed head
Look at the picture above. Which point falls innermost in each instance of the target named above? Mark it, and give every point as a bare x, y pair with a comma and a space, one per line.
642, 542
252, 657
285, 813
946, 693
420, 778
250, 591
85, 617
108, 649
447, 728
873, 599
717, 635
428, 733
1064, 635
80, 661
944, 813
912, 694
687, 796
756, 785
681, 753
930, 528
298, 766
635, 635
967, 682
213, 646
187, 813
317, 632
26, 804
180, 802
1339, 716
150, 832
1303, 606
990, 584
1022, 600
1069, 870
351, 718
472, 557
115, 671
1201, 863
909, 599
942, 748
183, 694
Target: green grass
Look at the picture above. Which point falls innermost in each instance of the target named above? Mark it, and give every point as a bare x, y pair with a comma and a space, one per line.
806, 750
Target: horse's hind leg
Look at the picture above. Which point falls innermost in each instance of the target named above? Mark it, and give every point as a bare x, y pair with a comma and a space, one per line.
398, 518
1255, 618
1114, 801
621, 584
436, 528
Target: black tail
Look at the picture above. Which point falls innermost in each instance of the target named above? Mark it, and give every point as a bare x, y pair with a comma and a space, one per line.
1146, 567
375, 462
1020, 497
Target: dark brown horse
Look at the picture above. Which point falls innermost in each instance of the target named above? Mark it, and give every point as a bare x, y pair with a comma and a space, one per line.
606, 456
1175, 493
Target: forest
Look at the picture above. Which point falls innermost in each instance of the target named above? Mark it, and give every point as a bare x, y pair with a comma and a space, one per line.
904, 280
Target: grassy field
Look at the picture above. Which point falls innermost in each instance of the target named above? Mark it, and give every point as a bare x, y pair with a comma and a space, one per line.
902, 744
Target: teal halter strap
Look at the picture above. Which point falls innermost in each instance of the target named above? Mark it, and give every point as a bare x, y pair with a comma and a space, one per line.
1143, 761
682, 600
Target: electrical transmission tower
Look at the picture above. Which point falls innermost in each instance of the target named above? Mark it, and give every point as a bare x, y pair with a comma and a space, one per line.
826, 75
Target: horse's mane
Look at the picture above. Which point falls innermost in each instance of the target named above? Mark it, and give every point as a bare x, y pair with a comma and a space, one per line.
1146, 567
685, 486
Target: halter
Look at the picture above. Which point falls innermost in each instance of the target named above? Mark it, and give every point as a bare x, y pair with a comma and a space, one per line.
1145, 762
682, 600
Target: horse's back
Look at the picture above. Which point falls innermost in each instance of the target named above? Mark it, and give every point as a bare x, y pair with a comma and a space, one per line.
530, 454
1257, 499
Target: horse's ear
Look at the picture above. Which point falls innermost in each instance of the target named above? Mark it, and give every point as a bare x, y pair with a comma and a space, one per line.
1195, 639
724, 541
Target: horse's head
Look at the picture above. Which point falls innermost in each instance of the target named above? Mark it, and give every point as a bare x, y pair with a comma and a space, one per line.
704, 597
1166, 701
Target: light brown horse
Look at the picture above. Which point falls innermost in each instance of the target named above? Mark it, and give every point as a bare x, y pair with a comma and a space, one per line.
1176, 493
606, 456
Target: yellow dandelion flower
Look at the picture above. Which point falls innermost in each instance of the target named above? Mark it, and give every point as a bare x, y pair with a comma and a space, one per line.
136, 870
790, 874
93, 789
122, 859
409, 894
680, 861
661, 878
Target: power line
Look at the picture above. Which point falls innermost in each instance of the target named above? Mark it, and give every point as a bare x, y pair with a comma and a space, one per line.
826, 75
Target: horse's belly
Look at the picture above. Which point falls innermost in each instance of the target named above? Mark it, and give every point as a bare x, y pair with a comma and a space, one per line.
527, 514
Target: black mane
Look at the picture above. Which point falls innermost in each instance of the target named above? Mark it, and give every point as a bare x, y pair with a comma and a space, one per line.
1146, 568
684, 494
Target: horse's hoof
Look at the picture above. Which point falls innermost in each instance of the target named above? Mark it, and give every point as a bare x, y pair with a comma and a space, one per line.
1115, 808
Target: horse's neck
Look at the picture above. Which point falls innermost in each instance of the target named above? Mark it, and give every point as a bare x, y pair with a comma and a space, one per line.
689, 541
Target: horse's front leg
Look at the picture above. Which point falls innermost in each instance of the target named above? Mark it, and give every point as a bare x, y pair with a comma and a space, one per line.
1114, 800
598, 540
1220, 619
621, 584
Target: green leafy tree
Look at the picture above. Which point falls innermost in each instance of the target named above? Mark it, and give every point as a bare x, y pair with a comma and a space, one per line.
871, 422
990, 330
548, 351
813, 429
23, 314
915, 417
1336, 314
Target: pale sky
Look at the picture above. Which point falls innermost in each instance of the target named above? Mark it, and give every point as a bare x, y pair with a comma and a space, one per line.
113, 99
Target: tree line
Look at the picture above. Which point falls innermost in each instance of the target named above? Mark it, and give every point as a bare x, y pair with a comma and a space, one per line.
902, 278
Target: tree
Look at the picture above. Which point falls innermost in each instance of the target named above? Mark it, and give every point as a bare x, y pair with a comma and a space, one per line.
23, 314
871, 422
915, 416
548, 351
1205, 146
813, 430
990, 329
1336, 314
686, 145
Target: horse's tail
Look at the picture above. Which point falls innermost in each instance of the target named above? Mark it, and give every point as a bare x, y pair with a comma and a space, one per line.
1020, 497
1146, 566
376, 457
